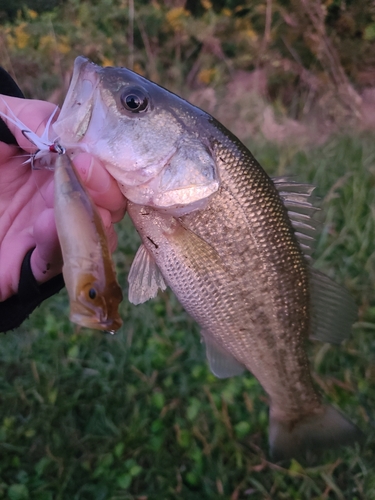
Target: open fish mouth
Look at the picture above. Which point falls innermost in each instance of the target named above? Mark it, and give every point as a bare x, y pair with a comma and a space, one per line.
77, 110
96, 322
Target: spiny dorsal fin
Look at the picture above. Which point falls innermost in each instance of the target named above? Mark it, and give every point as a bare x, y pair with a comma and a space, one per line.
333, 310
144, 277
301, 205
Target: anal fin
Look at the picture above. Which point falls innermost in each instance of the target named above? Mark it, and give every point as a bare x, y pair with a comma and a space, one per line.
222, 364
144, 278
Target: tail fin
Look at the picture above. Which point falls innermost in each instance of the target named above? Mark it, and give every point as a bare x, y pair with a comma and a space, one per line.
311, 435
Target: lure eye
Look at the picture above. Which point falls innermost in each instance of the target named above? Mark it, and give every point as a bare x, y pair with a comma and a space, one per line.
92, 293
135, 100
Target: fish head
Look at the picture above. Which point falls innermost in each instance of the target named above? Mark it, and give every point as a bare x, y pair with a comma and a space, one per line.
151, 141
95, 306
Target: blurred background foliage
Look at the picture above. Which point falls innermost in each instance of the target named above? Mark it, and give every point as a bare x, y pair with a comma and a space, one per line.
315, 60
139, 416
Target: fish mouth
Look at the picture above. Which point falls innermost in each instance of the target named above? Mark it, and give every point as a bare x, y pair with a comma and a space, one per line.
95, 321
76, 112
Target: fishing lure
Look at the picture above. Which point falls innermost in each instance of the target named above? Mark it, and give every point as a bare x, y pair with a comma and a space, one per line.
88, 270
43, 143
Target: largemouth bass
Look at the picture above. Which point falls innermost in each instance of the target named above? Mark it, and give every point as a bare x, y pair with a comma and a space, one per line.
216, 229
88, 271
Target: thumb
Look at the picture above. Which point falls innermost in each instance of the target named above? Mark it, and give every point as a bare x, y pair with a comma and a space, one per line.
46, 259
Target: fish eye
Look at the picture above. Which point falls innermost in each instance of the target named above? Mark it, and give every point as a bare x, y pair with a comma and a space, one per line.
135, 100
92, 293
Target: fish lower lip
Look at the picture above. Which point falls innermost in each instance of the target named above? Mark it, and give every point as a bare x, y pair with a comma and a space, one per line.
86, 90
84, 124
76, 112
85, 86
90, 322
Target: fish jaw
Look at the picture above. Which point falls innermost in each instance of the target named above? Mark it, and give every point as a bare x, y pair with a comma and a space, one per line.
81, 318
152, 157
76, 112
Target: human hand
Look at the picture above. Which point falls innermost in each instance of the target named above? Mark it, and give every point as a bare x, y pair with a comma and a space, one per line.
26, 200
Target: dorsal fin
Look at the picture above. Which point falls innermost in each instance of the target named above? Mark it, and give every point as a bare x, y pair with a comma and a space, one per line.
300, 202
333, 310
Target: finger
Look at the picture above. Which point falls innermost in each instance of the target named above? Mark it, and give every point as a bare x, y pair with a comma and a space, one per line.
112, 239
44, 183
12, 253
32, 113
108, 227
46, 260
7, 151
106, 217
119, 214
102, 186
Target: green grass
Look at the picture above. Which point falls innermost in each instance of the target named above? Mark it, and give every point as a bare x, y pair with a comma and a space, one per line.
138, 415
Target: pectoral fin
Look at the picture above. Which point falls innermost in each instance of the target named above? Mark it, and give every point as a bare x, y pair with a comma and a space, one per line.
222, 364
144, 278
333, 309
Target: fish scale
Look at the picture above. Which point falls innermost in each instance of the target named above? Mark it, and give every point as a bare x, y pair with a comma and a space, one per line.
258, 225
223, 236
